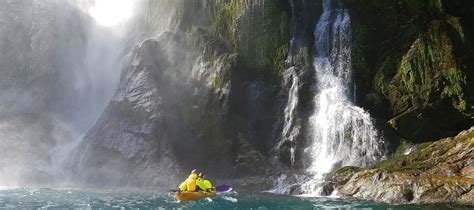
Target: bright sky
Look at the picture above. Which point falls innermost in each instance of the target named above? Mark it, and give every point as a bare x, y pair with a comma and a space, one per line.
111, 12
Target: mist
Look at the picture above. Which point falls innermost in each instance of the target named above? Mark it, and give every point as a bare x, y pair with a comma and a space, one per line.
64, 69
60, 64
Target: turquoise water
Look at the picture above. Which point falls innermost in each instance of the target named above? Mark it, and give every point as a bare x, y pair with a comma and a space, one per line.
149, 199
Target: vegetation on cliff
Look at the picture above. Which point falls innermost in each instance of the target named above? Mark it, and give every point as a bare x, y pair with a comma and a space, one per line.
258, 31
412, 62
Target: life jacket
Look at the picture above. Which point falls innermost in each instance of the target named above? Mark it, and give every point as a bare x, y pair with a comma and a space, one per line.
183, 186
200, 183
208, 185
191, 183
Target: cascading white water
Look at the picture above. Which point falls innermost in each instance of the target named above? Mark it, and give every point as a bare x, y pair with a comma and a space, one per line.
291, 86
290, 129
341, 133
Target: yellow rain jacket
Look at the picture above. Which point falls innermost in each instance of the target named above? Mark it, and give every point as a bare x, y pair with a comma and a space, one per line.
189, 184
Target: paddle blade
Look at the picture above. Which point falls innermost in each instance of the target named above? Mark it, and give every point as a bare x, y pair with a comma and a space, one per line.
223, 188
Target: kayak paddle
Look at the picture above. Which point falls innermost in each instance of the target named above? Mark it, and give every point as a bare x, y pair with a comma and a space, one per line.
223, 188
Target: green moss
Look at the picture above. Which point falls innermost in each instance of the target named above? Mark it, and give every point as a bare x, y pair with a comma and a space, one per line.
453, 87
454, 22
427, 72
279, 60
225, 18
218, 82
263, 41
383, 76
258, 32
405, 144
425, 157
194, 37
199, 39
404, 164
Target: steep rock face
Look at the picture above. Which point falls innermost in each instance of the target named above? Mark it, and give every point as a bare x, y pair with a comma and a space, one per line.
170, 113
414, 58
199, 96
430, 81
258, 32
429, 173
270, 37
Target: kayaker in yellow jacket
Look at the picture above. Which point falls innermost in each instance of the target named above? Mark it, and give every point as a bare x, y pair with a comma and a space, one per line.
204, 184
190, 183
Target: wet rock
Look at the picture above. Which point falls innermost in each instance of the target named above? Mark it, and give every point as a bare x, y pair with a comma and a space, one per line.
167, 117
405, 188
438, 172
467, 198
250, 160
468, 171
328, 189
296, 190
343, 175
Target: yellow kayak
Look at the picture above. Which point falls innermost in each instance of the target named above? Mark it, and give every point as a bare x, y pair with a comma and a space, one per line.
188, 196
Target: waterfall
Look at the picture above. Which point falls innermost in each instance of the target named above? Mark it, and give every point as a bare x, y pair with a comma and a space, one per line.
62, 73
341, 134
290, 128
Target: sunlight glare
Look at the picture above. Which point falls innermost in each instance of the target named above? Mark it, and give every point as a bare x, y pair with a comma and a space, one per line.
111, 12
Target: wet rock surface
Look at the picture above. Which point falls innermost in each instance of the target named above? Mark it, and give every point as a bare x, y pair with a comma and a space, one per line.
439, 172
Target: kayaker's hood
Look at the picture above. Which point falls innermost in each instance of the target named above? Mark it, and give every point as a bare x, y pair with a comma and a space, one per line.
193, 176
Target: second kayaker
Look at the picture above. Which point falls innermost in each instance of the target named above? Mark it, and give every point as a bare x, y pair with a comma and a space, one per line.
204, 184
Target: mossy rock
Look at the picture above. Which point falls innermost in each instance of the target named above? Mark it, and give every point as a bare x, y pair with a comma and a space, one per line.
224, 20
435, 172
428, 155
411, 65
429, 83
